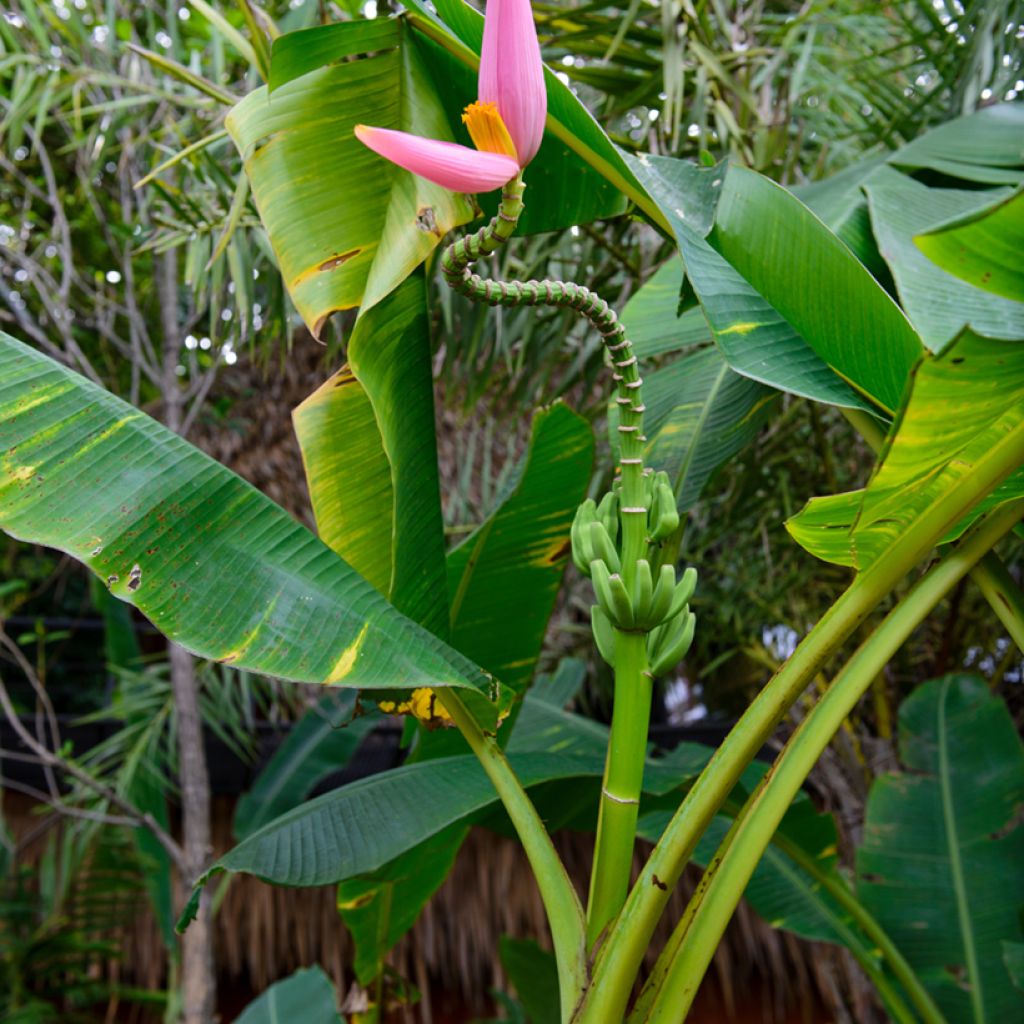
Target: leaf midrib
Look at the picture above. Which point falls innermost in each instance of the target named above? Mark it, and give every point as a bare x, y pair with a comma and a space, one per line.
956, 864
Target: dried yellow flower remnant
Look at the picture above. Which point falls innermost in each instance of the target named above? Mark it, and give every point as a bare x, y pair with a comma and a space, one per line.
422, 704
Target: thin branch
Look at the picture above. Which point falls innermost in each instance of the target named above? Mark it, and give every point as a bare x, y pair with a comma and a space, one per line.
133, 817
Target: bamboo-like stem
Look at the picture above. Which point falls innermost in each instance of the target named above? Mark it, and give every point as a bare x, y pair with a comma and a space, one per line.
990, 576
871, 930
561, 903
677, 975
620, 956
998, 587
620, 792
622, 784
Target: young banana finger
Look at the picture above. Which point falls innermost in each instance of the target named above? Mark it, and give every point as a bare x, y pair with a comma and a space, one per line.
675, 644
602, 547
604, 634
608, 514
667, 520
611, 595
683, 592
663, 592
582, 554
643, 595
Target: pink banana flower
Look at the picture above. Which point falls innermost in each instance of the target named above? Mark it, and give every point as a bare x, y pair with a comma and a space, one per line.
506, 123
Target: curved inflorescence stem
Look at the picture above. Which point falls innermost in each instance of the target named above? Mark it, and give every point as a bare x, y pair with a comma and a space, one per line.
639, 627
460, 256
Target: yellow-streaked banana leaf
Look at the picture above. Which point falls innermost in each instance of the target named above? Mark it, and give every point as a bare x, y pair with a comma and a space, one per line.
214, 564
960, 405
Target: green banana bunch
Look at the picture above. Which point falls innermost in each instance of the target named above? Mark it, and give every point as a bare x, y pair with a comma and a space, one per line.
670, 641
592, 540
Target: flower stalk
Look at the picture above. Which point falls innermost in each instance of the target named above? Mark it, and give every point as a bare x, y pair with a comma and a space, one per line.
639, 625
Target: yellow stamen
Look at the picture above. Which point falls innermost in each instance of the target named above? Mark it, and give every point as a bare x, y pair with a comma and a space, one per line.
487, 130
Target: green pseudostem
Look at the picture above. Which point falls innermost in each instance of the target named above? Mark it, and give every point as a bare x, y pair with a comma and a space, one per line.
633, 678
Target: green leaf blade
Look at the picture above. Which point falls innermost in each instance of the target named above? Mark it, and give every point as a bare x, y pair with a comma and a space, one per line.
214, 564
940, 863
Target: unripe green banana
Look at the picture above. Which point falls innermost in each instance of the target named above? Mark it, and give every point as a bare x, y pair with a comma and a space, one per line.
664, 520
643, 594
683, 592
661, 602
582, 551
611, 595
674, 643
608, 514
604, 634
602, 547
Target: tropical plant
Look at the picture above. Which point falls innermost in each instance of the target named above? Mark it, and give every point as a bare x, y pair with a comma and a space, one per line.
784, 294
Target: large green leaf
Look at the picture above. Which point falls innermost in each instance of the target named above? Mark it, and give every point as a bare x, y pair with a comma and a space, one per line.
840, 204
940, 865
686, 193
361, 827
811, 279
214, 564
504, 578
306, 996
295, 54
715, 413
983, 147
757, 342
368, 444
380, 908
984, 248
939, 304
652, 319
960, 403
346, 226
320, 743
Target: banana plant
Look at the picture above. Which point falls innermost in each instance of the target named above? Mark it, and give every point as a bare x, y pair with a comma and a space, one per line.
376, 603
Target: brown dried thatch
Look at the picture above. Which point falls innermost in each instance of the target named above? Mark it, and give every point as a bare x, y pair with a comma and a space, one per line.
263, 933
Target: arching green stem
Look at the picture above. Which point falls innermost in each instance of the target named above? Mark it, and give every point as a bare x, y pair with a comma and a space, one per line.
561, 904
621, 955
673, 983
620, 793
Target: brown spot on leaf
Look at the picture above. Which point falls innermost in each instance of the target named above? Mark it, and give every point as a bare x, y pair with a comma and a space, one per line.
426, 221
659, 883
560, 552
135, 577
336, 261
112, 579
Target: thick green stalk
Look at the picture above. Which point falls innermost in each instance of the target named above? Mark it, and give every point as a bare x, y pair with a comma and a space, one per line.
624, 766
682, 965
561, 904
990, 576
998, 587
622, 785
620, 956
872, 931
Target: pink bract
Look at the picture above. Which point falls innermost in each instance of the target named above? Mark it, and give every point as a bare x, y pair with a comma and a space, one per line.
454, 167
512, 73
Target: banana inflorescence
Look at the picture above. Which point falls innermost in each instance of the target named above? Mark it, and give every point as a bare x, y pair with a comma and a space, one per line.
656, 603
